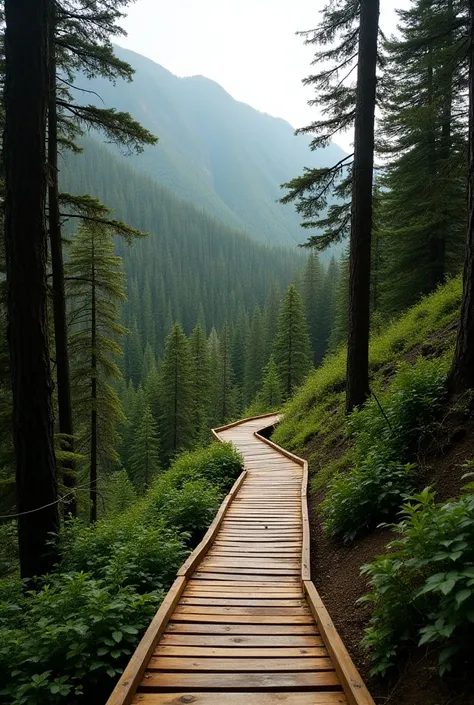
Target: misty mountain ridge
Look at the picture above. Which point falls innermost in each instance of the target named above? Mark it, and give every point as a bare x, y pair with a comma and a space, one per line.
221, 155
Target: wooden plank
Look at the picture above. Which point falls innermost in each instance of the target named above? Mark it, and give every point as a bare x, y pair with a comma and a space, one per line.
240, 592
240, 681
246, 629
133, 673
240, 602
260, 573
224, 581
241, 652
196, 556
243, 698
227, 574
243, 618
354, 687
242, 562
233, 610
242, 641
222, 584
238, 665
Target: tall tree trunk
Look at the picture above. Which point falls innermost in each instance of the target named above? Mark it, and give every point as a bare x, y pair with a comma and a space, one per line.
461, 377
357, 387
59, 295
26, 96
93, 459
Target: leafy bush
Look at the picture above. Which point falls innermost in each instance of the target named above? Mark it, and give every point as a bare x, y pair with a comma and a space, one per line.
192, 508
188, 495
119, 493
62, 640
124, 552
384, 440
72, 637
219, 463
425, 589
8, 548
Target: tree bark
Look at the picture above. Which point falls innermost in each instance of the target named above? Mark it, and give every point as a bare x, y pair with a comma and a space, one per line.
59, 294
26, 96
357, 386
461, 377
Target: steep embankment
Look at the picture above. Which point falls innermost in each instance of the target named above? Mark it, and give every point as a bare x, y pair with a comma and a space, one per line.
408, 360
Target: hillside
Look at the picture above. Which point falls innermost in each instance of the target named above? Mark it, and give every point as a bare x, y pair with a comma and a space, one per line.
192, 267
408, 360
221, 155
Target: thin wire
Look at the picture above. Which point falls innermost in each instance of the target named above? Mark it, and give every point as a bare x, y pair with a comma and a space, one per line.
381, 409
45, 506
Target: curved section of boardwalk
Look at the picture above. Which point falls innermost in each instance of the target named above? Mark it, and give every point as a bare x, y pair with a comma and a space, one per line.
243, 625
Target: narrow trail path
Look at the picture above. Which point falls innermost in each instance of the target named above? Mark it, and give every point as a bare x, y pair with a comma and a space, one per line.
243, 624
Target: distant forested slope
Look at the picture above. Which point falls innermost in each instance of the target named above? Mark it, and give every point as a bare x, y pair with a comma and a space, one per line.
192, 267
218, 153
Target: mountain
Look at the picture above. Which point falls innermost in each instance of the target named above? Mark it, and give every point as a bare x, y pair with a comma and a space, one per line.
192, 267
223, 156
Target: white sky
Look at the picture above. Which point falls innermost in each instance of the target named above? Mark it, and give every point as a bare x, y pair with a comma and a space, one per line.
248, 46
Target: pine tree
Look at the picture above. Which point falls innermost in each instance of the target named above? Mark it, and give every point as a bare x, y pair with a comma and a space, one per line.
25, 100
201, 384
360, 247
322, 195
255, 355
292, 348
341, 306
312, 287
227, 399
176, 423
270, 314
240, 334
270, 396
461, 377
145, 452
148, 364
96, 289
423, 201
79, 39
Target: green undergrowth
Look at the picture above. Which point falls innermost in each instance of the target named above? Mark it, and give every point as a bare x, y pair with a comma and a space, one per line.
423, 591
314, 422
67, 641
386, 436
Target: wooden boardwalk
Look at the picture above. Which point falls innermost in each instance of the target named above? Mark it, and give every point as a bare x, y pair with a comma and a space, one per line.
243, 623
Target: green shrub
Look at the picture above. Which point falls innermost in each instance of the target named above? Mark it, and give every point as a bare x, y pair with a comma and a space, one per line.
424, 591
62, 641
8, 548
219, 463
386, 438
123, 551
192, 508
120, 494
72, 637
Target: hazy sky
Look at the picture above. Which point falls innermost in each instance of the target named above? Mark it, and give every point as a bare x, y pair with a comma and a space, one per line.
248, 46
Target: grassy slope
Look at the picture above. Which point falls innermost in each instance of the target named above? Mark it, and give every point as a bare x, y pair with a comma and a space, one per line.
314, 424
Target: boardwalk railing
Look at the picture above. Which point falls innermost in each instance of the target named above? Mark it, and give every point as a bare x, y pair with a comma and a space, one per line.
243, 624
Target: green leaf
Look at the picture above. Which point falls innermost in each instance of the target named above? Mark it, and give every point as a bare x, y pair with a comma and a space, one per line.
117, 636
463, 595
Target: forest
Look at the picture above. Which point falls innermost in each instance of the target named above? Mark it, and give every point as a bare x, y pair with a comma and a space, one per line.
137, 313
